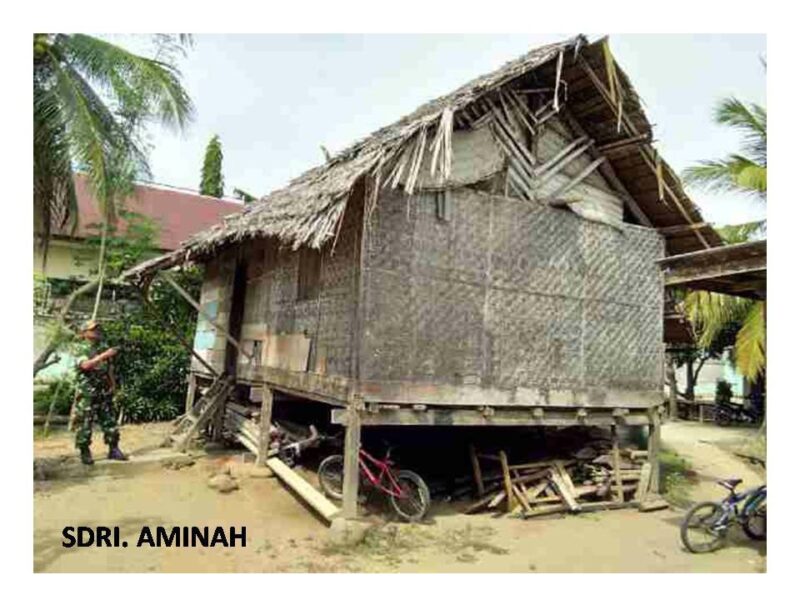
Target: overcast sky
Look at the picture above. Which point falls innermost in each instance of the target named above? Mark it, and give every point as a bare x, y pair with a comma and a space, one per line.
274, 99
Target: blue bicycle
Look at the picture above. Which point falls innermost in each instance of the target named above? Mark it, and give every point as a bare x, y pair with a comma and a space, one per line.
705, 526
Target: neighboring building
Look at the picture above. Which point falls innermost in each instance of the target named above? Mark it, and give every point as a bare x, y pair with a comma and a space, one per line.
176, 214
489, 259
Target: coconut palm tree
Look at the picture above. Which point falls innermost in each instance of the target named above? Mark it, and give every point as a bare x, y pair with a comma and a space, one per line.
89, 96
90, 99
745, 172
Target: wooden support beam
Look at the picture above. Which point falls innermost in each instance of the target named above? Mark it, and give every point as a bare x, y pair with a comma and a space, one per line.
685, 228
352, 444
498, 417
186, 296
653, 450
625, 143
510, 499
631, 130
588, 170
265, 424
476, 471
615, 461
191, 390
678, 274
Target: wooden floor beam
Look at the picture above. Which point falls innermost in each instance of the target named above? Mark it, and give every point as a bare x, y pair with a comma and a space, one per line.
495, 417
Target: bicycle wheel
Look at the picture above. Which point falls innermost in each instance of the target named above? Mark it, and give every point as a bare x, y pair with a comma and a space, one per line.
700, 530
331, 476
416, 498
755, 525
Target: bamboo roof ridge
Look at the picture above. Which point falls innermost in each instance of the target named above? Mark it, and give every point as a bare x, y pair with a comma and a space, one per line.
308, 210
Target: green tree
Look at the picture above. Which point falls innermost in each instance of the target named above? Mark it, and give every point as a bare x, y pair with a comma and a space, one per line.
90, 101
744, 172
211, 180
89, 96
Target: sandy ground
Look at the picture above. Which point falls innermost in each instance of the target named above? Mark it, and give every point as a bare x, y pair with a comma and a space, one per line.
283, 536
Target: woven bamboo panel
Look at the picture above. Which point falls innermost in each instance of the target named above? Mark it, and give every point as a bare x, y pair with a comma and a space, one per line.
509, 294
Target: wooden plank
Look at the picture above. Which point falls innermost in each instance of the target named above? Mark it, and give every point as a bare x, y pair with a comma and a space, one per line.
563, 490
685, 228
588, 170
315, 499
264, 425
286, 351
562, 472
506, 480
497, 499
644, 483
533, 493
476, 471
483, 502
521, 497
546, 510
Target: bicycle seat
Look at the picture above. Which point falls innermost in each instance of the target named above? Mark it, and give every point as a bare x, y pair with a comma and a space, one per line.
729, 483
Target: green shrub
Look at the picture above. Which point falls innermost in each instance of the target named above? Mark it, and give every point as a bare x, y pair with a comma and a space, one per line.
62, 389
152, 365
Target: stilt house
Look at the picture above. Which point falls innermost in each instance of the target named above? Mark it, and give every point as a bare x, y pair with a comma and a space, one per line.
489, 259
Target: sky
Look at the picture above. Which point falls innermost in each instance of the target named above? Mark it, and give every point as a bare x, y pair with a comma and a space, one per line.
274, 99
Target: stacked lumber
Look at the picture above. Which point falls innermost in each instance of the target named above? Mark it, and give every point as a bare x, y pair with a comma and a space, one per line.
241, 424
587, 480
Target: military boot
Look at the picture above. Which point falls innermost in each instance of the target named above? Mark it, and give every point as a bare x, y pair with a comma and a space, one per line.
86, 456
114, 453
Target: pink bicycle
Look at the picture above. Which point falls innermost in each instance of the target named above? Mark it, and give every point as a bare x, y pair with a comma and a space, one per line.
408, 494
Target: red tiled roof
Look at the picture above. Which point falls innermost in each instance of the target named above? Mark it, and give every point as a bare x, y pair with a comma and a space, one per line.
179, 214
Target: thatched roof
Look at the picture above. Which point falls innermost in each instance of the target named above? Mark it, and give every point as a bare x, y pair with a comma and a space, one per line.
308, 210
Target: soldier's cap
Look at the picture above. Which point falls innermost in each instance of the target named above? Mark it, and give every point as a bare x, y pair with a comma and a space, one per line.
90, 325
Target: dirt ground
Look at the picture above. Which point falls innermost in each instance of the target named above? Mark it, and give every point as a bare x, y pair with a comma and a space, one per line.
283, 536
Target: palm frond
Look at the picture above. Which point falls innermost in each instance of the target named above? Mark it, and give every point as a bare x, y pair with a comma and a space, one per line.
750, 349
750, 120
54, 201
137, 83
711, 313
735, 173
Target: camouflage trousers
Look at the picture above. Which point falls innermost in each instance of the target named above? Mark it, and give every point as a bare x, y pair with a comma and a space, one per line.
85, 411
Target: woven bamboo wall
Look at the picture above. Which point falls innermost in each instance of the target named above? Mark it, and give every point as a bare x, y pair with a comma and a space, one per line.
272, 305
507, 294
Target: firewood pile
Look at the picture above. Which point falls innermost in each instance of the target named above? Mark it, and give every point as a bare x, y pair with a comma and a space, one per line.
599, 476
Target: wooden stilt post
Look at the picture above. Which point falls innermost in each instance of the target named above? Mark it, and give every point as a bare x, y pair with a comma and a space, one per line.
653, 449
264, 425
352, 443
615, 459
476, 471
191, 390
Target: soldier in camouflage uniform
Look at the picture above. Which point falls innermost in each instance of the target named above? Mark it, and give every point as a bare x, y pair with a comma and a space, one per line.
95, 382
